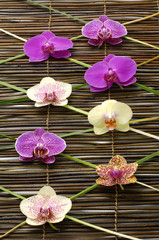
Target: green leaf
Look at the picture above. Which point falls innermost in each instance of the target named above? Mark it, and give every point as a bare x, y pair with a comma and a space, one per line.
148, 157
7, 147
13, 87
75, 133
12, 58
5, 136
14, 100
146, 88
84, 191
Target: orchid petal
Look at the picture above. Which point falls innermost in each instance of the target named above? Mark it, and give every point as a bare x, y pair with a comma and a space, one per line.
130, 81
31, 206
123, 127
90, 30
117, 161
108, 58
106, 182
53, 219
25, 144
117, 30
61, 43
128, 170
114, 41
61, 54
95, 42
122, 111
96, 116
100, 130
95, 75
104, 171
103, 18
48, 34
47, 81
94, 89
33, 47
60, 102
36, 93
48, 159
60, 205
127, 181
54, 143
35, 222
124, 67
47, 191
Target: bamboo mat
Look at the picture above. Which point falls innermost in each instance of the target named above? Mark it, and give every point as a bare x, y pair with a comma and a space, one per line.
138, 207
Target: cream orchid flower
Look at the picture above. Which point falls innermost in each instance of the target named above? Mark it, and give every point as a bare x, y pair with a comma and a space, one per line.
50, 91
110, 115
46, 206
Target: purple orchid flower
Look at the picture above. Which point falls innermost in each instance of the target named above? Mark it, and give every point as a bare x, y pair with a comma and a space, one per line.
102, 30
112, 69
39, 144
41, 47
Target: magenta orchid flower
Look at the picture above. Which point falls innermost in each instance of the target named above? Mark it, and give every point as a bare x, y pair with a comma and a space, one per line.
112, 69
116, 172
44, 207
39, 144
41, 47
50, 91
102, 30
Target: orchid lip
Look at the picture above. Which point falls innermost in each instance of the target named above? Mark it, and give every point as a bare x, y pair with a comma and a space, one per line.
41, 151
45, 212
48, 48
50, 96
116, 173
110, 123
104, 33
110, 76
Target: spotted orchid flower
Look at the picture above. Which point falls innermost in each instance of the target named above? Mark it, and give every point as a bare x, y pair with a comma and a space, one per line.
39, 144
50, 91
113, 69
102, 30
44, 207
110, 115
116, 172
41, 47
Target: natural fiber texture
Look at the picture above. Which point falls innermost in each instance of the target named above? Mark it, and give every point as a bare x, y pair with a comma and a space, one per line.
138, 211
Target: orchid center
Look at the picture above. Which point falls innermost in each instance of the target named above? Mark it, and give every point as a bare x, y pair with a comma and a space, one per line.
40, 151
110, 122
116, 173
50, 96
104, 33
48, 48
45, 212
110, 76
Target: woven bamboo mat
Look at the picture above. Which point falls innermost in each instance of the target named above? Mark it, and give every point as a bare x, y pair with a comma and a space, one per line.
138, 207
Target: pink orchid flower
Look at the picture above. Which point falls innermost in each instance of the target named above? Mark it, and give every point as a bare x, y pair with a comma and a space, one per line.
50, 91
103, 30
44, 207
116, 172
41, 47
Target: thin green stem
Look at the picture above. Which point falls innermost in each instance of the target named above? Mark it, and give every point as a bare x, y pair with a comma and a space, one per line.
7, 147
76, 109
143, 120
121, 186
78, 160
74, 38
12, 58
11, 230
148, 186
79, 62
100, 228
146, 88
148, 157
79, 86
55, 228
150, 60
55, 10
13, 35
77, 132
13, 87
144, 133
12, 193
141, 19
5, 136
84, 191
138, 41
22, 99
